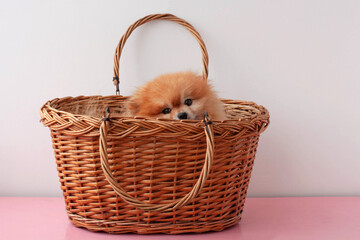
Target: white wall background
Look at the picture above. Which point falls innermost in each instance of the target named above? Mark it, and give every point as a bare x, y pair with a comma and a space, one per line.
300, 59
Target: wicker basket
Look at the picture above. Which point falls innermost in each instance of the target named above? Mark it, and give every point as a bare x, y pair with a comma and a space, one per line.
145, 175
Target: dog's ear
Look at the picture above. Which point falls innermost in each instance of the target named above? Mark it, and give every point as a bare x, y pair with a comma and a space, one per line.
133, 105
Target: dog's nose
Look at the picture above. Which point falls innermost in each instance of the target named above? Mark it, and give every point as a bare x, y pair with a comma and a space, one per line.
182, 115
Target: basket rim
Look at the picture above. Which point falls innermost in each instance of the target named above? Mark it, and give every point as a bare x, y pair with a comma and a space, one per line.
262, 110
84, 125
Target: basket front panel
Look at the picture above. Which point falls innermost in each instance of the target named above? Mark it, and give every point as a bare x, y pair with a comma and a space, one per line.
154, 170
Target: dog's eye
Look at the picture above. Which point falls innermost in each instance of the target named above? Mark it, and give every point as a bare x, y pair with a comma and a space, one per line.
188, 102
166, 110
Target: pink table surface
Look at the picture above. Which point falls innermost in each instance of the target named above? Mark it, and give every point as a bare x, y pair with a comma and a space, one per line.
263, 218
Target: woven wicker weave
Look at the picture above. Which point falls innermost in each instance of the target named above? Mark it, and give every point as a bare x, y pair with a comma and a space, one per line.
142, 175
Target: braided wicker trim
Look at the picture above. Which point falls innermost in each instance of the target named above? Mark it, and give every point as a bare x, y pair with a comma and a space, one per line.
60, 114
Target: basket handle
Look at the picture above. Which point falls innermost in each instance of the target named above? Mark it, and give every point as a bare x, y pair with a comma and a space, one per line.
157, 207
166, 16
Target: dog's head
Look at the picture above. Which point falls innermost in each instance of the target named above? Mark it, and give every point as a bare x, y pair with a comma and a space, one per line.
173, 96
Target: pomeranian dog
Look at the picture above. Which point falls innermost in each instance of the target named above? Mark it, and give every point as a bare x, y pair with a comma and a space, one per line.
183, 95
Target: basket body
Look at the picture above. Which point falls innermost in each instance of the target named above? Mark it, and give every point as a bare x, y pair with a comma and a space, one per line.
155, 161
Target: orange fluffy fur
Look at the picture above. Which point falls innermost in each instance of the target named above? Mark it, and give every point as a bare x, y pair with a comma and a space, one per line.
167, 96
